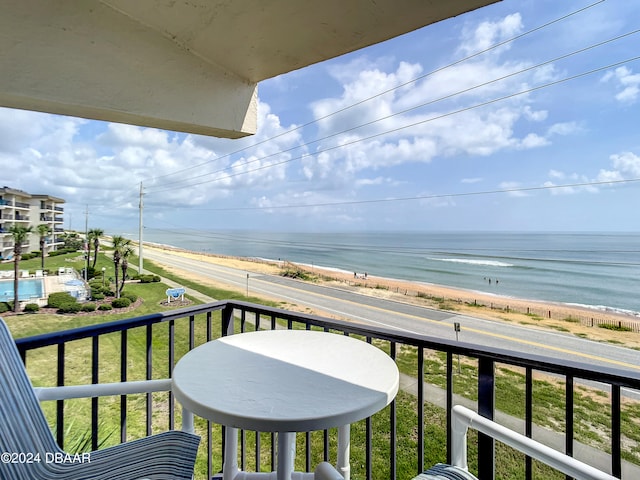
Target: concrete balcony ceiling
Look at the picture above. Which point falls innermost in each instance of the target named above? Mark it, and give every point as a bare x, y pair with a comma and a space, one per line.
188, 65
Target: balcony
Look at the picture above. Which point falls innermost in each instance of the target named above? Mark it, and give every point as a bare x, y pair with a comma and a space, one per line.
58, 209
399, 442
21, 218
21, 205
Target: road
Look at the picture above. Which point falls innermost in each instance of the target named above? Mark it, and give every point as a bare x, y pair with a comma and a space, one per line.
410, 318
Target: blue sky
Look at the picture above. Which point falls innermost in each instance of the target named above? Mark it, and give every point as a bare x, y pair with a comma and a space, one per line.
449, 146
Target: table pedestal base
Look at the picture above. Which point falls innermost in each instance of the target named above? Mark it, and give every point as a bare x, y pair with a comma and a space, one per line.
286, 459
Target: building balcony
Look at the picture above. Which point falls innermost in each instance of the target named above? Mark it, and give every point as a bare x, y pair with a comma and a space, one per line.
21, 205
411, 434
58, 209
58, 220
21, 218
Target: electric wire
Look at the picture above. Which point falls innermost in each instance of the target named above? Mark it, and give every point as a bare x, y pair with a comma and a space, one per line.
177, 185
457, 62
421, 122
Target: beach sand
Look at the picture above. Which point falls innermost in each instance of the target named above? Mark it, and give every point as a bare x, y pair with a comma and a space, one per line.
546, 315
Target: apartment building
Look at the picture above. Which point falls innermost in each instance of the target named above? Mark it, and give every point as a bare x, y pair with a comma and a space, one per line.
18, 207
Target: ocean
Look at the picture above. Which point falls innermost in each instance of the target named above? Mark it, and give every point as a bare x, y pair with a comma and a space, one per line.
597, 270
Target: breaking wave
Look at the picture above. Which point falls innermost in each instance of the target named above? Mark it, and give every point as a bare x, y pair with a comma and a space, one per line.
487, 263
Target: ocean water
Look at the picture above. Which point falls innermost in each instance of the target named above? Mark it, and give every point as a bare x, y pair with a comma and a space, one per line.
597, 270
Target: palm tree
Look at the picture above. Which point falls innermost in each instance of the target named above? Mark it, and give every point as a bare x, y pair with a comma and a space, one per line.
95, 234
19, 234
119, 245
127, 250
44, 231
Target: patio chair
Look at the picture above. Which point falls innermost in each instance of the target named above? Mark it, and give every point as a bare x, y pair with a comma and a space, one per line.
463, 419
24, 429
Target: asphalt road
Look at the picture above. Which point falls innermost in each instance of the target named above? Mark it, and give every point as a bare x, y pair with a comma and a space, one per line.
411, 318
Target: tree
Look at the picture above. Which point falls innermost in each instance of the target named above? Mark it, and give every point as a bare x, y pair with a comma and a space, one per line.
95, 234
19, 234
44, 231
127, 251
119, 244
72, 241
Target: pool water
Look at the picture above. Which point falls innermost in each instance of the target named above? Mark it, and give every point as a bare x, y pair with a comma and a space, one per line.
29, 288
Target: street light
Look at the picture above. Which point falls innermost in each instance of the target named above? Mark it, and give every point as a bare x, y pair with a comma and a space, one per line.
103, 270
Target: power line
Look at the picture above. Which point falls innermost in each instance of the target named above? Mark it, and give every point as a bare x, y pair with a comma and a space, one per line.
421, 122
533, 67
423, 197
457, 62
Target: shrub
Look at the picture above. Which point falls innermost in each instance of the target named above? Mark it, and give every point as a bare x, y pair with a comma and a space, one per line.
70, 308
62, 251
149, 278
56, 300
31, 307
617, 328
97, 295
105, 306
89, 307
121, 303
131, 296
4, 307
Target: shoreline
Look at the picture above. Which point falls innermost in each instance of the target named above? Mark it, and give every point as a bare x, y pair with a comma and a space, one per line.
474, 303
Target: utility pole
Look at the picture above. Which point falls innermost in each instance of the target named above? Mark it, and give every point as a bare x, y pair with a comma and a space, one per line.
140, 234
86, 243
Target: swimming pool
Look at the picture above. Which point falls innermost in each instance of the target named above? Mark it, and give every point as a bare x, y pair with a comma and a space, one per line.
29, 289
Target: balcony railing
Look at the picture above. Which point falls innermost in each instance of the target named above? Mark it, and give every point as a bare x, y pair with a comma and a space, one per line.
88, 355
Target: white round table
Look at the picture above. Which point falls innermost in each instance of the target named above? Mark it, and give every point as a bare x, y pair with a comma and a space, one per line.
285, 381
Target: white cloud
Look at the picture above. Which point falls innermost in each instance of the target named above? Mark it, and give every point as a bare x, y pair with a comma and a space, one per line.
394, 132
482, 36
564, 129
627, 82
471, 180
626, 165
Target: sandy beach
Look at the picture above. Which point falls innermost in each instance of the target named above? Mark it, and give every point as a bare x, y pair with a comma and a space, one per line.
576, 320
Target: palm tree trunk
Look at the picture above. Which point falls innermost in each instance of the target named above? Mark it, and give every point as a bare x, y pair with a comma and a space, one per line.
96, 244
125, 266
42, 245
116, 275
16, 282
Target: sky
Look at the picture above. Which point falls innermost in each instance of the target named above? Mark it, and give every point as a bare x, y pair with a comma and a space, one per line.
521, 116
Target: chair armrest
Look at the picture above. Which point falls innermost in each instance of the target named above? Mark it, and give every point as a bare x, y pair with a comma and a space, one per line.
463, 418
102, 389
